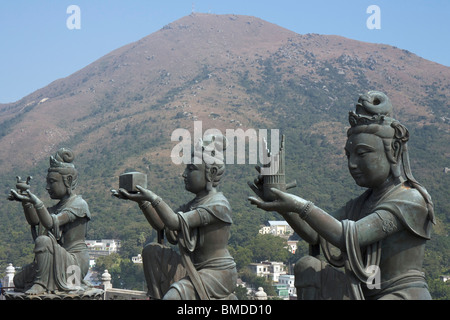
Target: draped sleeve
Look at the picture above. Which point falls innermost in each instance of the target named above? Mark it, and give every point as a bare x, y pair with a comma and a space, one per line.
409, 206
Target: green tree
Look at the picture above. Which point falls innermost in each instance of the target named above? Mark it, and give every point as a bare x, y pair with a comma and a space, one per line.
112, 264
108, 262
132, 275
269, 247
243, 256
439, 290
241, 292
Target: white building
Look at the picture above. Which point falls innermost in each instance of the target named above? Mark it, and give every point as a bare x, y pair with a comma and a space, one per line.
292, 246
268, 269
280, 229
99, 248
288, 280
277, 228
137, 259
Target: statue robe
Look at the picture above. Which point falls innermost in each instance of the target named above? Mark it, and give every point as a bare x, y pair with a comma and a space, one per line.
391, 266
61, 255
214, 278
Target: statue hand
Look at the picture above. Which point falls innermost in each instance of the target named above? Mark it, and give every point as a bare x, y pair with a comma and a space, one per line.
284, 202
121, 194
115, 193
15, 196
147, 194
257, 184
33, 199
142, 195
125, 195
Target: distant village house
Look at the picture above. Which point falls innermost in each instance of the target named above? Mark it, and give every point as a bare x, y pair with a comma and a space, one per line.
277, 228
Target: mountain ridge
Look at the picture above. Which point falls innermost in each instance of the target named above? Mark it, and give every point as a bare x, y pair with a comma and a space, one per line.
98, 77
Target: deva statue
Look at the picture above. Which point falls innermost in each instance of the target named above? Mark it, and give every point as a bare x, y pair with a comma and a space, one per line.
203, 269
59, 232
374, 245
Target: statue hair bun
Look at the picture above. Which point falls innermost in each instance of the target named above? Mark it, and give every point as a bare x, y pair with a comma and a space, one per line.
65, 155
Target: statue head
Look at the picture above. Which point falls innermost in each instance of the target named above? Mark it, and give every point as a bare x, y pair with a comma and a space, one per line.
62, 176
207, 166
375, 140
377, 145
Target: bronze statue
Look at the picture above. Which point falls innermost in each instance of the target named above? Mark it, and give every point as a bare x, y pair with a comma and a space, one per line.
204, 269
380, 236
61, 256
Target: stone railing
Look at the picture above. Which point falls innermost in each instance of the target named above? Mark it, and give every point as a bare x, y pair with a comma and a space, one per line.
119, 294
109, 293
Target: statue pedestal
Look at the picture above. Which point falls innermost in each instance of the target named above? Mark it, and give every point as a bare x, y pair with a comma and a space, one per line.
90, 294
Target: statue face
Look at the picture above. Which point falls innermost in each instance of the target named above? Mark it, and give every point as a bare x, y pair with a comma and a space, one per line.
55, 185
367, 161
195, 178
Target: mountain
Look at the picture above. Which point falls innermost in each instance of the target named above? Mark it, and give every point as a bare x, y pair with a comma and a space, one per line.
230, 72
196, 64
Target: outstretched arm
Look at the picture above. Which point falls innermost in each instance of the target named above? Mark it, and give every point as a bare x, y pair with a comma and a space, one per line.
30, 214
151, 215
305, 218
144, 204
326, 226
168, 217
35, 210
28, 208
300, 227
196, 218
370, 229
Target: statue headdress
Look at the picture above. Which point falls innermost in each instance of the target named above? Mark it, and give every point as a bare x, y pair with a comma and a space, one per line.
62, 162
374, 115
373, 108
211, 150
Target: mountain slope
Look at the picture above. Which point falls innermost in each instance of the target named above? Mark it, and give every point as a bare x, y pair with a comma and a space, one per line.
195, 62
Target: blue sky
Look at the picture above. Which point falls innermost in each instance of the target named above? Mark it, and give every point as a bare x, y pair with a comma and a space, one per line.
37, 47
